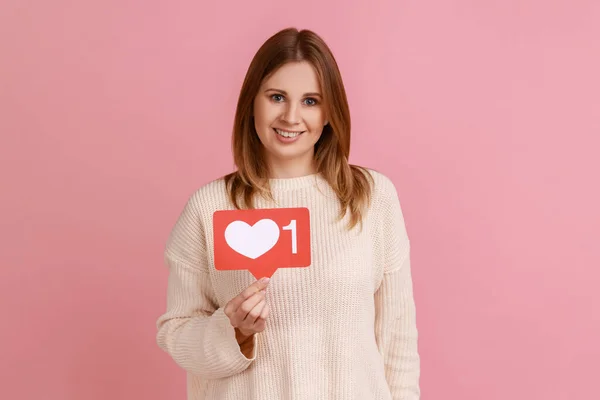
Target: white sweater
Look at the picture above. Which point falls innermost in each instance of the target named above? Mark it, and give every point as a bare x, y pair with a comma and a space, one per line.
343, 328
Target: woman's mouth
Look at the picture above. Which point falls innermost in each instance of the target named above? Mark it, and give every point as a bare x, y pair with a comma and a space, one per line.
288, 134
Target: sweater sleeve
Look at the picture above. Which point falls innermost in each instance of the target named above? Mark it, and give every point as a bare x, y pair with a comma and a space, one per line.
194, 330
395, 324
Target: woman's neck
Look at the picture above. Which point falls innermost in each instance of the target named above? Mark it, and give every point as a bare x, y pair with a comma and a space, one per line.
291, 169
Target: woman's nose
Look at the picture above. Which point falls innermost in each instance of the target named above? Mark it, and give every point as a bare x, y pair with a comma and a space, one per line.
292, 114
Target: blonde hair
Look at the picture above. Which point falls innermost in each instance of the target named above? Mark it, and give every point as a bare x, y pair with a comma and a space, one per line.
351, 183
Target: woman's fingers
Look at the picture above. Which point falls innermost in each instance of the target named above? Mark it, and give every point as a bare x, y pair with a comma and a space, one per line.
235, 303
261, 321
255, 313
248, 305
265, 312
260, 325
248, 310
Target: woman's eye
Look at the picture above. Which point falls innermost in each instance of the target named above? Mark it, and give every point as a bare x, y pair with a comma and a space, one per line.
310, 101
277, 97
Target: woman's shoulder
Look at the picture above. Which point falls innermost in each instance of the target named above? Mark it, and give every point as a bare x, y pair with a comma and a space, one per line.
208, 197
382, 187
214, 189
386, 208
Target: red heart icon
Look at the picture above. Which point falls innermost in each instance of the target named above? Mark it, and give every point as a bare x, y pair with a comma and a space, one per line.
261, 240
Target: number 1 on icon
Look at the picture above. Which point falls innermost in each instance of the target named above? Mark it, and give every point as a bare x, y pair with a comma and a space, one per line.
292, 227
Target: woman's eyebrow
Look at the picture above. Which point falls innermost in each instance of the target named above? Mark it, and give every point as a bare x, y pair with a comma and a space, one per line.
314, 94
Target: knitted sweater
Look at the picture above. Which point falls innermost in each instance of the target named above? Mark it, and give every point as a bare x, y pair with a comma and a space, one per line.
343, 328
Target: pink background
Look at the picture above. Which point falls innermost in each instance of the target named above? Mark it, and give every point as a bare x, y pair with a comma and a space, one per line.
486, 114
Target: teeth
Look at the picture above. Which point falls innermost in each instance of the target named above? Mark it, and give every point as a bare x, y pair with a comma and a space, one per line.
287, 134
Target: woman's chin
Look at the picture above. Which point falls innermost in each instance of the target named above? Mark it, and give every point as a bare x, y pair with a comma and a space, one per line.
290, 152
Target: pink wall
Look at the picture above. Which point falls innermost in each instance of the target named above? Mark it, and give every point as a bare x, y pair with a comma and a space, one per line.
484, 113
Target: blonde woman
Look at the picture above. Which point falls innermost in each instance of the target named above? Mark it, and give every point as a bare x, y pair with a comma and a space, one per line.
344, 327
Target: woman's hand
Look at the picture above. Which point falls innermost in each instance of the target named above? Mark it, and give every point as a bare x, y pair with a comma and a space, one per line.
248, 311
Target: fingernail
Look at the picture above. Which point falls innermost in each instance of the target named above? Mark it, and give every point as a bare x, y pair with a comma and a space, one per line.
265, 280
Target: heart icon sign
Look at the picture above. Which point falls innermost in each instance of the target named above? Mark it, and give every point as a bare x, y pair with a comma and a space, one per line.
252, 241
261, 240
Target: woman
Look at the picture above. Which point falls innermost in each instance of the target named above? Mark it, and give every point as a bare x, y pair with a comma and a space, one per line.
342, 328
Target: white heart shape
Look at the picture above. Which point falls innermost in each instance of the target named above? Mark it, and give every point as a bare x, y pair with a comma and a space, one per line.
252, 241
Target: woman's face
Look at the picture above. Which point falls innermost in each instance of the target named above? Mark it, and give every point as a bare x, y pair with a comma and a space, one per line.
289, 115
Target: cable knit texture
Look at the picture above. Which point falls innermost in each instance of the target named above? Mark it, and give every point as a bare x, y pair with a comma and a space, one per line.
343, 328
